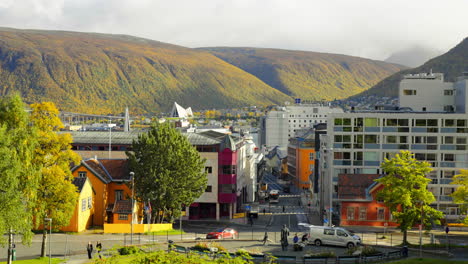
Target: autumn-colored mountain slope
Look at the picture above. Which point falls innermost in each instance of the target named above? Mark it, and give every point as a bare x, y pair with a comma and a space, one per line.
452, 64
309, 75
100, 73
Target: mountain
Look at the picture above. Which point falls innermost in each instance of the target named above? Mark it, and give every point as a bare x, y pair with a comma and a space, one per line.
452, 64
308, 75
413, 57
101, 73
104, 73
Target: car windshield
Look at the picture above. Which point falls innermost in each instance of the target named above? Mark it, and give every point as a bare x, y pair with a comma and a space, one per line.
220, 230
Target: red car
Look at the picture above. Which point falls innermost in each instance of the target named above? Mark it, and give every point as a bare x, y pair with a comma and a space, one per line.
223, 233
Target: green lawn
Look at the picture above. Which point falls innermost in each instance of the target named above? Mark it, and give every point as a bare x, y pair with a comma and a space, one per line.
169, 232
37, 261
427, 261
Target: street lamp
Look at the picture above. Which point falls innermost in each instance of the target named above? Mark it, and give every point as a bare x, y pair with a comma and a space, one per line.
132, 176
50, 236
330, 170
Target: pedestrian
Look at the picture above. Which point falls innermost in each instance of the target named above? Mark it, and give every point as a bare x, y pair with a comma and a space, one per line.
305, 237
265, 238
299, 202
283, 208
89, 248
264, 211
284, 238
99, 248
295, 239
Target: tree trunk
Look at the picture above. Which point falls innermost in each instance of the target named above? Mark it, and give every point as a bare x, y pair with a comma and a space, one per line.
10, 240
405, 241
43, 246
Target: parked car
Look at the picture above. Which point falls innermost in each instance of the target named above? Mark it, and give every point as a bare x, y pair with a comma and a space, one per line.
223, 233
336, 236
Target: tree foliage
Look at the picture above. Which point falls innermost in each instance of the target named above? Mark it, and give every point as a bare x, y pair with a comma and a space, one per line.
405, 191
169, 171
19, 175
460, 196
57, 195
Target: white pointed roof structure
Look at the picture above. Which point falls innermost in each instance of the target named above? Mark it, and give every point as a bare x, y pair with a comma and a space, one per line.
179, 111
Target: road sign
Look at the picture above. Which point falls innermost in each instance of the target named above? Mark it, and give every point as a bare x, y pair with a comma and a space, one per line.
248, 207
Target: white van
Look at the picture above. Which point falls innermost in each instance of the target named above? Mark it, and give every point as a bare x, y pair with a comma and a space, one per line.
336, 236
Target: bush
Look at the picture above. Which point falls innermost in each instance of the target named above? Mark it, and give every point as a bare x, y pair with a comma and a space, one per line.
201, 246
129, 250
363, 251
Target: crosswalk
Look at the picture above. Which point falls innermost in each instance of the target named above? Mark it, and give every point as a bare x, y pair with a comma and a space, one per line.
290, 195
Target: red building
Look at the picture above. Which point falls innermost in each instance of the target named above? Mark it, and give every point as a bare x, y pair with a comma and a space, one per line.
359, 205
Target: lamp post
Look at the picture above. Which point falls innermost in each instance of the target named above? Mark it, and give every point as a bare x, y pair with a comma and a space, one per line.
50, 236
132, 176
110, 136
330, 172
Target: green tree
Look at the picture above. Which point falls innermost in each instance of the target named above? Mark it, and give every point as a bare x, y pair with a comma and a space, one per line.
169, 171
57, 195
405, 192
460, 196
19, 176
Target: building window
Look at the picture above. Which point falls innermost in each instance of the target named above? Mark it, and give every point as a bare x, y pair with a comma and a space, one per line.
208, 188
83, 205
311, 156
229, 169
209, 169
350, 214
82, 174
362, 213
123, 216
118, 195
448, 92
380, 213
409, 92
90, 202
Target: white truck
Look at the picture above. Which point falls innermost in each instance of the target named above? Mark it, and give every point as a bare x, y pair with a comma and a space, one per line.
336, 236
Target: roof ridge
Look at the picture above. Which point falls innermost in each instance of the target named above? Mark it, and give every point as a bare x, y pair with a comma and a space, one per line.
105, 170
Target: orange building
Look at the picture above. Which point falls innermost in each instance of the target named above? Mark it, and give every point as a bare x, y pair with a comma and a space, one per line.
301, 160
359, 205
82, 216
110, 180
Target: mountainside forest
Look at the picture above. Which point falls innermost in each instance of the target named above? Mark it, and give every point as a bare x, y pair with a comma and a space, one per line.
452, 64
309, 75
103, 73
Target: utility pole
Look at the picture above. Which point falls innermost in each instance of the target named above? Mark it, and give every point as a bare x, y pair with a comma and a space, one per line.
132, 175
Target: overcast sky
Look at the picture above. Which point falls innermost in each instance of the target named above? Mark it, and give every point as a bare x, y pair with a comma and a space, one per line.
366, 28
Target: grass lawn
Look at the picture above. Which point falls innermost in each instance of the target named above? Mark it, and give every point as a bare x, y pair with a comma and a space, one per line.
427, 261
169, 232
37, 261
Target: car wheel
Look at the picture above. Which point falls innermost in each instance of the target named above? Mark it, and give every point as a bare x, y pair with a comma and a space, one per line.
350, 245
318, 243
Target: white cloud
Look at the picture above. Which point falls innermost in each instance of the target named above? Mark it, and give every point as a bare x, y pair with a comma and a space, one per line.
367, 28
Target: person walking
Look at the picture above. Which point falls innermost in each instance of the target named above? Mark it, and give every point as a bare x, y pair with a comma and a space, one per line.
99, 248
265, 238
283, 208
284, 238
89, 249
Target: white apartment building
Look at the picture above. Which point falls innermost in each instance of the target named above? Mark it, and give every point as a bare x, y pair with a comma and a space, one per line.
429, 93
280, 125
358, 142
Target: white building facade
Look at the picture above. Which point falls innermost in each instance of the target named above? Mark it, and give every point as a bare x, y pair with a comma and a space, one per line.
280, 125
435, 131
